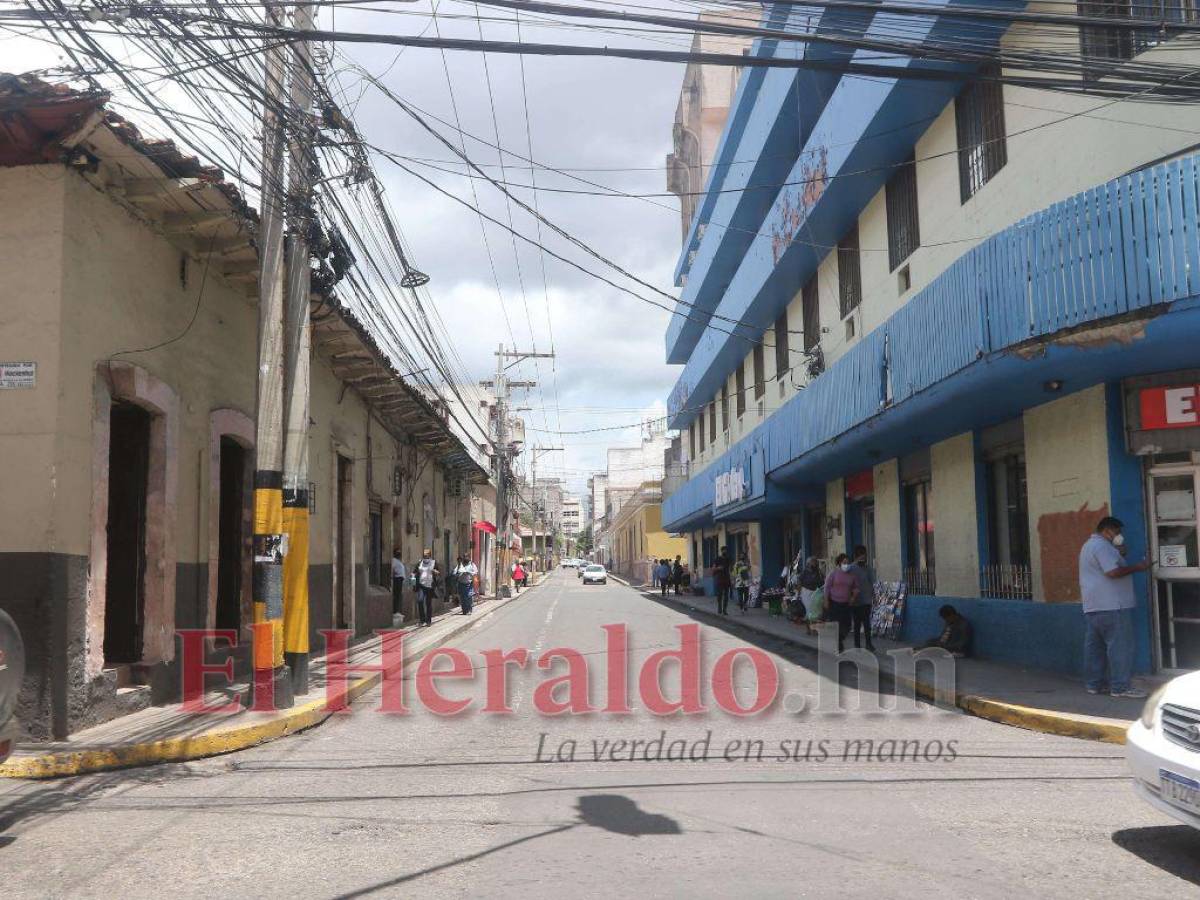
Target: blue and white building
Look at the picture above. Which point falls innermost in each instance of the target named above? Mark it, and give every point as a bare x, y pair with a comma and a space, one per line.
955, 321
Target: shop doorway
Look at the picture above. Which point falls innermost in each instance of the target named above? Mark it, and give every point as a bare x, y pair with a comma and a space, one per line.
343, 598
125, 592
1174, 516
231, 538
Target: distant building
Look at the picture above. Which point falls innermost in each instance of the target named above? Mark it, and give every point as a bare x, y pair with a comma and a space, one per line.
703, 107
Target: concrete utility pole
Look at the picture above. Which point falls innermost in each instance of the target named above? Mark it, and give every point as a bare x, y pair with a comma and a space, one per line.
270, 544
500, 387
537, 451
298, 357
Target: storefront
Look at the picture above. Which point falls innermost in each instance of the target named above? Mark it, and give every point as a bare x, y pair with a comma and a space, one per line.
1163, 427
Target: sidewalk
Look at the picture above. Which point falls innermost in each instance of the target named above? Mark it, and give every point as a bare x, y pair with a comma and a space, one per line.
162, 734
1024, 697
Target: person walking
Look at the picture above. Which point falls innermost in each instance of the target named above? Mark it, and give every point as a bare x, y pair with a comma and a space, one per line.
464, 576
741, 581
860, 612
677, 575
425, 576
664, 576
721, 581
1106, 586
518, 576
399, 575
841, 591
809, 581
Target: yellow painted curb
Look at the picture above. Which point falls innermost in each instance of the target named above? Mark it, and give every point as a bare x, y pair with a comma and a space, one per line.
213, 743
1042, 720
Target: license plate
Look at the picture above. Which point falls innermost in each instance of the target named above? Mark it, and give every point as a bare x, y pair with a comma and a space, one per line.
1180, 790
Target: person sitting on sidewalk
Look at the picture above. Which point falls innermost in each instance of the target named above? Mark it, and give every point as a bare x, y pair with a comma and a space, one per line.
1106, 585
956, 633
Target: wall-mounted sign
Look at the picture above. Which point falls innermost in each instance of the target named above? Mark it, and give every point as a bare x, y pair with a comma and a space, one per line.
731, 487
1170, 407
1172, 556
15, 375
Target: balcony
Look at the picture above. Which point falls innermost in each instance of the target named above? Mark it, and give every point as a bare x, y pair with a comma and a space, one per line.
978, 344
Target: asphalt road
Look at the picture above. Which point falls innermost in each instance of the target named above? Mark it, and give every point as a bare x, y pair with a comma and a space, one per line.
422, 805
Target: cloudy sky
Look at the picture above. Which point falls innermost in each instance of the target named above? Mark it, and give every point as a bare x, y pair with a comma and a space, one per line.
608, 121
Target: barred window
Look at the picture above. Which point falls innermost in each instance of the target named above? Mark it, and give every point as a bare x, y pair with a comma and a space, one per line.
760, 371
712, 422
849, 272
700, 428
810, 303
725, 405
979, 120
904, 227
692, 439
782, 356
739, 388
1102, 44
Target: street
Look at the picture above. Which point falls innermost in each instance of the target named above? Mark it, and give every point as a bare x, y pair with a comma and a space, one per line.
421, 805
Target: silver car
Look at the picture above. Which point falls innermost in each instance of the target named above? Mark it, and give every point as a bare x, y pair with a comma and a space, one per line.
595, 574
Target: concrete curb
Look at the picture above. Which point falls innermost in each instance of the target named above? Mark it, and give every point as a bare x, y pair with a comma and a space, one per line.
59, 764
1044, 721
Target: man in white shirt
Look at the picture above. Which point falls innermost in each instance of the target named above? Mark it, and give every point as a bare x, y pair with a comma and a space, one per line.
1106, 585
399, 573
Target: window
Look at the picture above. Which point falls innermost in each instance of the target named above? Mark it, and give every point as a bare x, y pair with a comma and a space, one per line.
725, 405
849, 272
811, 308
918, 535
1102, 44
979, 120
739, 388
712, 422
692, 440
709, 551
700, 429
760, 372
1008, 573
904, 231
379, 570
782, 357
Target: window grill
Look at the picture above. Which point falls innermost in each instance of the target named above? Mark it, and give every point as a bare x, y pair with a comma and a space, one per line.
782, 359
849, 272
979, 121
904, 229
1101, 45
811, 308
760, 371
739, 388
725, 406
712, 422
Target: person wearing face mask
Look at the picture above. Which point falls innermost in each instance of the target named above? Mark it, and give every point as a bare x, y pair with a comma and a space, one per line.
1106, 586
860, 612
841, 593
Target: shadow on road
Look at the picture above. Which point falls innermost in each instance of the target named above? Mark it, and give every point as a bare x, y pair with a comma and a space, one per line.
1173, 848
620, 815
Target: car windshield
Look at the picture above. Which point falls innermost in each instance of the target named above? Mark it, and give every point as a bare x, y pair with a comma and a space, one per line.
594, 569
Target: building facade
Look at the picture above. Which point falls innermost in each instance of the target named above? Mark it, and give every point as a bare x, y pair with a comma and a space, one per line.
128, 278
968, 330
638, 538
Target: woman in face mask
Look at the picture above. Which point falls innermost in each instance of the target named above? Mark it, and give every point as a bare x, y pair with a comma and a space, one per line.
841, 591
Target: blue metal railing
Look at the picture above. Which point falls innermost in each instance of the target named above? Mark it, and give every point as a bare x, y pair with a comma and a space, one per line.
1126, 245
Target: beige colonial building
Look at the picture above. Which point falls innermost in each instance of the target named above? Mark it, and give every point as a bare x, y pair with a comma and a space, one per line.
128, 319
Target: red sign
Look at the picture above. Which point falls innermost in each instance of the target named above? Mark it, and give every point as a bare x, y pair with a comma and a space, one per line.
861, 484
1171, 407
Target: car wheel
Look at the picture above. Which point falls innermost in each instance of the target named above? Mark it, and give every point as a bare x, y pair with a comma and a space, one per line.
604, 581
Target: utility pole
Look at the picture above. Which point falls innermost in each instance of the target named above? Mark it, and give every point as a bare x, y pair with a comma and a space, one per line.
537, 451
500, 387
270, 544
298, 359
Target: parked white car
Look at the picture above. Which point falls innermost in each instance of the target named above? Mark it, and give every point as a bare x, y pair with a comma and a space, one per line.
595, 574
1163, 748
